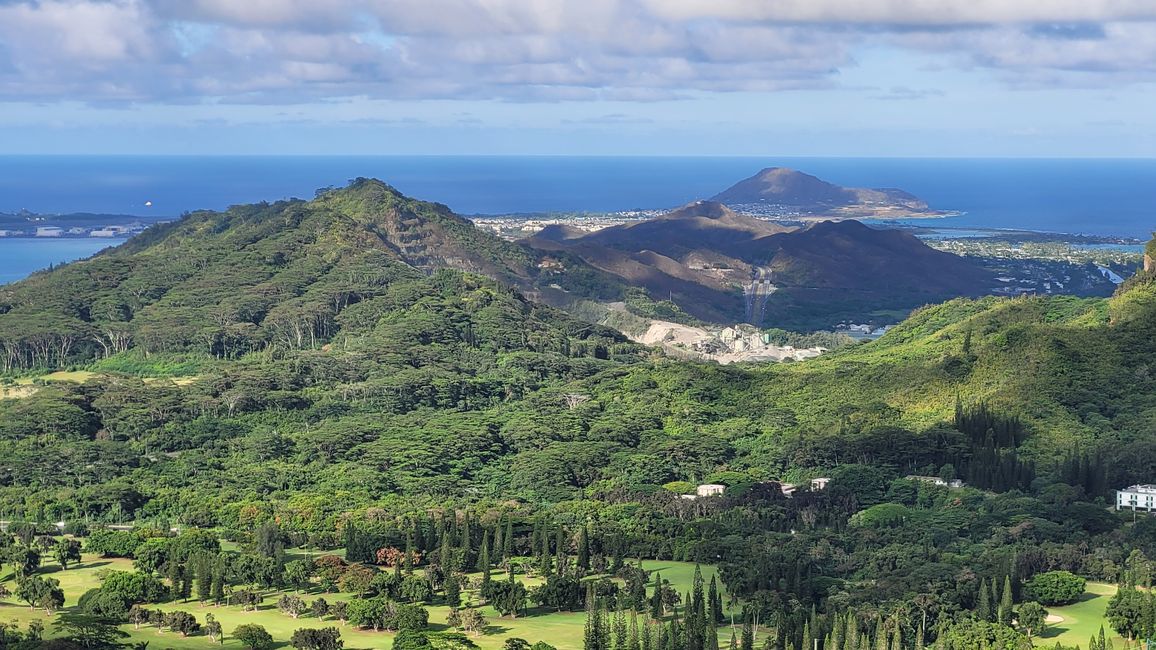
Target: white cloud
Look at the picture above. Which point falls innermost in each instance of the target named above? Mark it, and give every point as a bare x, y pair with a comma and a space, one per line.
906, 12
283, 51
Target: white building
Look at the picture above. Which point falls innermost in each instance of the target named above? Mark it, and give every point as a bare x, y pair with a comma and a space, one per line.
710, 490
1137, 497
820, 483
935, 480
49, 231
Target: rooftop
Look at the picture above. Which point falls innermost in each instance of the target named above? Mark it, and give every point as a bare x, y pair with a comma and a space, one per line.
1143, 489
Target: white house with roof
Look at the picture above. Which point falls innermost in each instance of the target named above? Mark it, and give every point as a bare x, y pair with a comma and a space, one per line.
706, 490
1137, 497
710, 490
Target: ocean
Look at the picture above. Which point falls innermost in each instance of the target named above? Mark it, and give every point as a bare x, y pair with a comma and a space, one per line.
19, 256
1090, 196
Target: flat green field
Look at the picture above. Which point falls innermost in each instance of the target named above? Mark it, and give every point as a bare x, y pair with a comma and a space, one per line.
1081, 620
562, 630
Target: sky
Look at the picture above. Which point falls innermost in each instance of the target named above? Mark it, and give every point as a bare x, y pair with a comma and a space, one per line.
1051, 78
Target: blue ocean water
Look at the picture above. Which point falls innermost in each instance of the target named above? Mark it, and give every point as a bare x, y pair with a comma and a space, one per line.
1098, 196
19, 257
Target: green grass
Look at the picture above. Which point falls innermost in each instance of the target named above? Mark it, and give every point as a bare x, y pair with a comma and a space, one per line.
561, 629
1081, 620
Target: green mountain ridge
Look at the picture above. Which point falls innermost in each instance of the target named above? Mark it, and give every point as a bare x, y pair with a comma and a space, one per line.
229, 283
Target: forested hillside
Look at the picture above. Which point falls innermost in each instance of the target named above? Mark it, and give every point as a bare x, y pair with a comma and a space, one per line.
259, 277
307, 382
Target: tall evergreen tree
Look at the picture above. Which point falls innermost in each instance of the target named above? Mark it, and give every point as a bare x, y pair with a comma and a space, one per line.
174, 574
508, 539
561, 560
583, 551
656, 608
632, 641
483, 564
747, 642
1006, 608
620, 630
714, 599
204, 576
590, 634
983, 608
218, 589
411, 552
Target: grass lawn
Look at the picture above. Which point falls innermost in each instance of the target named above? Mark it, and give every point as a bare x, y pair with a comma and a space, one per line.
560, 629
1081, 620
25, 386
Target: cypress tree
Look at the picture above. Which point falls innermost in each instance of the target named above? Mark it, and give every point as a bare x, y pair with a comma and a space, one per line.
483, 564
656, 609
204, 571
698, 605
453, 590
467, 543
496, 545
218, 579
545, 560
835, 641
632, 642
583, 551
983, 611
620, 630
173, 573
616, 559
590, 634
1005, 603
187, 581
715, 600
604, 640
851, 632
748, 639
647, 639
410, 552
561, 560
734, 640
508, 539
445, 554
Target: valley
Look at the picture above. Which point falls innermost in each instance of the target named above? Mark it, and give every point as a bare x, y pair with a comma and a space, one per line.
365, 399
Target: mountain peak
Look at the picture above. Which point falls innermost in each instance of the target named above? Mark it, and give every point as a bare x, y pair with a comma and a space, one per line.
784, 186
701, 210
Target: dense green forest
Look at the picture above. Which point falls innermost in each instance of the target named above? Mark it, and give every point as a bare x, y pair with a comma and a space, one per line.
287, 376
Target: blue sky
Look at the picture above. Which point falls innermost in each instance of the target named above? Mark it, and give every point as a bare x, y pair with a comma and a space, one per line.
715, 77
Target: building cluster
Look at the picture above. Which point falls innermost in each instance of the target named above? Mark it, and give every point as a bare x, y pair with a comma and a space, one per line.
788, 489
935, 480
123, 230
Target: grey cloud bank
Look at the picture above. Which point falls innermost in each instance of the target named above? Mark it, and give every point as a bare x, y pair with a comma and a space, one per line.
292, 51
